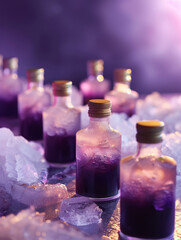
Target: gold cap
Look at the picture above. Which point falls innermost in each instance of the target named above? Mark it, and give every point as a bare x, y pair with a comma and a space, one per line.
95, 67
62, 88
99, 108
35, 75
10, 63
149, 131
122, 75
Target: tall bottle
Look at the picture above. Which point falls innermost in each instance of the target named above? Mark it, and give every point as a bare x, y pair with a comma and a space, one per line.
61, 122
148, 187
122, 97
98, 153
31, 104
95, 86
10, 87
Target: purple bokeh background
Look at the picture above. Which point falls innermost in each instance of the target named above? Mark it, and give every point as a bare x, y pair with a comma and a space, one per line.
61, 35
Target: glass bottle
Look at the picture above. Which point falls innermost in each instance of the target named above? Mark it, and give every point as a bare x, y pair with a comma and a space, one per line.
10, 87
148, 187
98, 153
61, 122
1, 65
123, 99
95, 86
31, 104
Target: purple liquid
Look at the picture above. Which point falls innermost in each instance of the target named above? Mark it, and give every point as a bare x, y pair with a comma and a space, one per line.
59, 149
143, 220
31, 127
9, 107
98, 180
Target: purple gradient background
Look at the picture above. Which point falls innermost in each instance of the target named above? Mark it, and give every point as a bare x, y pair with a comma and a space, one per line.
61, 35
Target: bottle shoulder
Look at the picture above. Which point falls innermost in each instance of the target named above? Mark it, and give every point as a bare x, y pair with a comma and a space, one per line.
122, 94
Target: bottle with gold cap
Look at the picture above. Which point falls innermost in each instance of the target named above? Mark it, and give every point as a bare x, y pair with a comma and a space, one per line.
98, 153
122, 97
11, 85
60, 123
148, 187
95, 86
31, 104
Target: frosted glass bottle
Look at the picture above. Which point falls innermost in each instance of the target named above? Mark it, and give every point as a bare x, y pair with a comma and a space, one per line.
10, 86
148, 187
61, 122
95, 86
122, 97
98, 153
31, 104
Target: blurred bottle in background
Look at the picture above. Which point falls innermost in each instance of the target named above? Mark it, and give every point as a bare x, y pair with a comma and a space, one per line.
123, 99
10, 86
95, 86
31, 104
60, 123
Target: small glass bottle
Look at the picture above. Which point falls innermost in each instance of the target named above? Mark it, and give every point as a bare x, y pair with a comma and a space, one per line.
10, 87
148, 187
60, 123
123, 99
31, 104
98, 153
95, 86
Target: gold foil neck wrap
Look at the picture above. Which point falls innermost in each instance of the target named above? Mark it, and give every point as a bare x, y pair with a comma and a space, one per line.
149, 131
62, 88
99, 108
122, 75
95, 67
35, 75
10, 63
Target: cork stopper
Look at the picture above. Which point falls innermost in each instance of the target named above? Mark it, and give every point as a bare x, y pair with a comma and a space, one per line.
95, 67
35, 75
62, 88
99, 108
122, 75
149, 131
10, 63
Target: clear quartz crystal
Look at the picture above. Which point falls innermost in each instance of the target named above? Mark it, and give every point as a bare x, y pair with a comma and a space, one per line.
98, 152
60, 123
10, 86
31, 104
148, 194
95, 86
123, 99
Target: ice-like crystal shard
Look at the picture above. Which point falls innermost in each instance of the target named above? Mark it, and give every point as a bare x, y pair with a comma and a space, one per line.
80, 211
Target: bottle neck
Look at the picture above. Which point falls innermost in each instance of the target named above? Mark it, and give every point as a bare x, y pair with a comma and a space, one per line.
35, 85
149, 149
122, 87
99, 122
63, 101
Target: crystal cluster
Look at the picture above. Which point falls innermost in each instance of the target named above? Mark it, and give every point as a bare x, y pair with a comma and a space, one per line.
28, 225
80, 211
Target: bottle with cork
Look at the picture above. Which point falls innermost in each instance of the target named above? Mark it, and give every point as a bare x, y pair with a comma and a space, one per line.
31, 104
11, 85
60, 123
122, 97
98, 153
95, 86
148, 182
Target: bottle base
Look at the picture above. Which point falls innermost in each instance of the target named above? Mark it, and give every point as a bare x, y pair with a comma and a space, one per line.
102, 199
61, 165
122, 236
